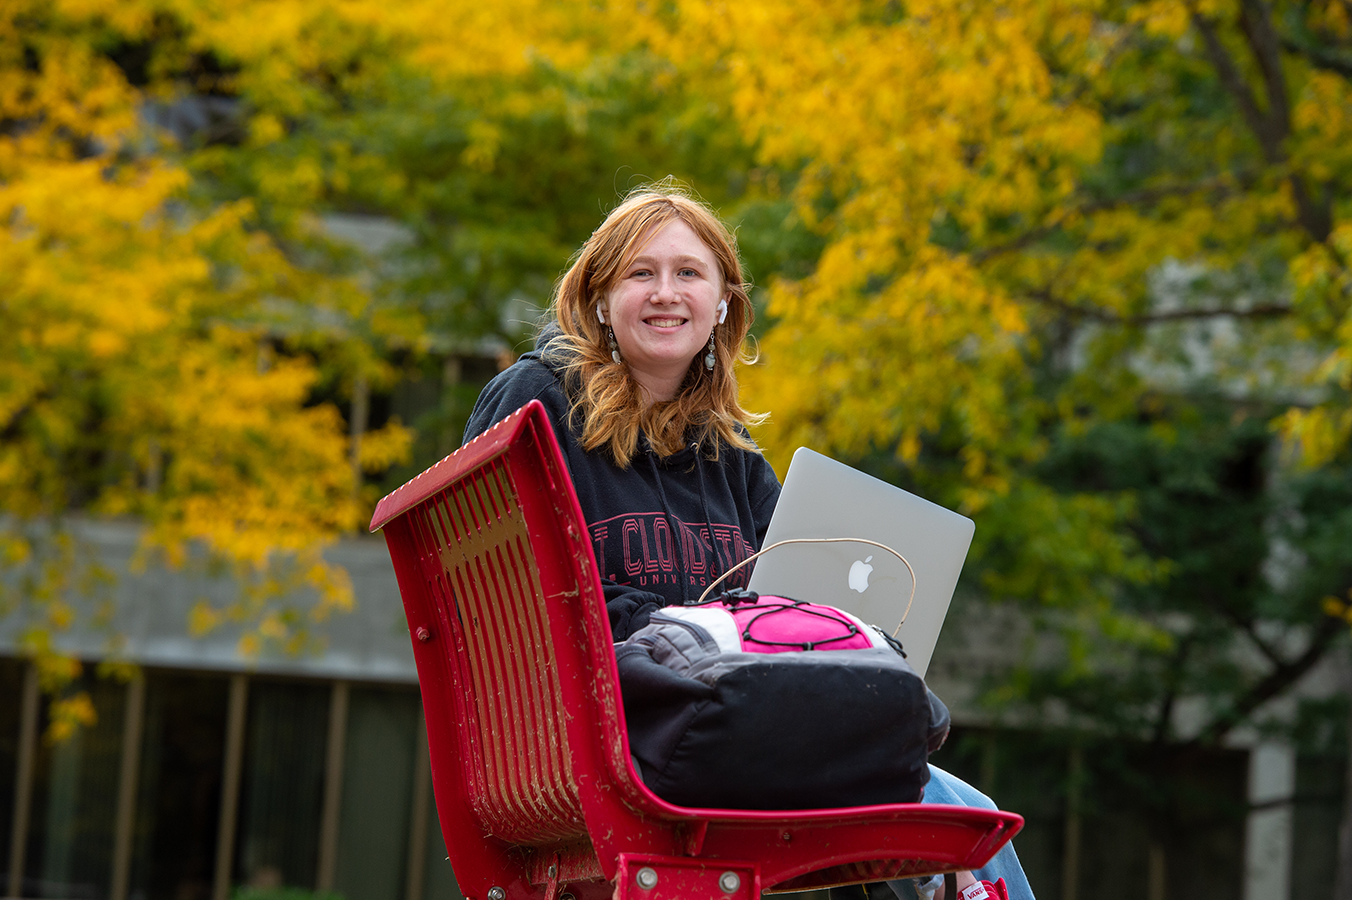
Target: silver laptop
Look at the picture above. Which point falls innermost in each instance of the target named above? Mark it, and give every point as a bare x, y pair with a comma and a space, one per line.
825, 498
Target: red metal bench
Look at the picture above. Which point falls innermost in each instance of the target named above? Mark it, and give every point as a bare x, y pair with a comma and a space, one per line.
530, 762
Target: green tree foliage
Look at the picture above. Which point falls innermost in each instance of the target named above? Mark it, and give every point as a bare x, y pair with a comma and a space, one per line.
1250, 550
1086, 277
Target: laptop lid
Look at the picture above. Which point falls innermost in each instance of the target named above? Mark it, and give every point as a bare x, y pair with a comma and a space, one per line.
823, 498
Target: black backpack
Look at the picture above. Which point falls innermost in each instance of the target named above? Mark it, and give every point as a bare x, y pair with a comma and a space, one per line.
751, 702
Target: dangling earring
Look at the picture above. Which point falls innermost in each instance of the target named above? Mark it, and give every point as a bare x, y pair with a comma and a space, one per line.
710, 359
614, 347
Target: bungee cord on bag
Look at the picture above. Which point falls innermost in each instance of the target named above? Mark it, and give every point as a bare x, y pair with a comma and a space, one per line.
836, 540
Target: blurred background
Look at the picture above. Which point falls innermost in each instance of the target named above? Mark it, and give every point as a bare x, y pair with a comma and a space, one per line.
1081, 269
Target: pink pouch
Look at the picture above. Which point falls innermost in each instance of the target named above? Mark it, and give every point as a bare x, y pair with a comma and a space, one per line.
780, 625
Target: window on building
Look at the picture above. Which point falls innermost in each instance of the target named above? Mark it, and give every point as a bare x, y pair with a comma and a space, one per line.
378, 781
74, 800
179, 802
11, 686
283, 789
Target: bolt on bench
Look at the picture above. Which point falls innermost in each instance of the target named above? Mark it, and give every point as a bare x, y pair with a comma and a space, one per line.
534, 787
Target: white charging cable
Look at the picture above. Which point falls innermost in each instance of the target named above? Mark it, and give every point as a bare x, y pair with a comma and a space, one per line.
837, 540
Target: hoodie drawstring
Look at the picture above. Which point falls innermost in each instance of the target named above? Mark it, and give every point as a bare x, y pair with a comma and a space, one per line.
676, 535
719, 564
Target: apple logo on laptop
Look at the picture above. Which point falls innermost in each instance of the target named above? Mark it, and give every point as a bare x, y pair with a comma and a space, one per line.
859, 573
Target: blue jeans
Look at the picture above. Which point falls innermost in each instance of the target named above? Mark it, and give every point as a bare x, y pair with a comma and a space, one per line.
946, 788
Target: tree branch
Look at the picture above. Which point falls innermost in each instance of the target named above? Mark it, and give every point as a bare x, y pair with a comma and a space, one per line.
1263, 646
1221, 186
1234, 82
1165, 716
1166, 710
1261, 311
1279, 679
1245, 625
1318, 57
1315, 213
1255, 19
1272, 127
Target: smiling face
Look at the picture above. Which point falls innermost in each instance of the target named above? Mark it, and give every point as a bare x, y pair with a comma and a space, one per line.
664, 306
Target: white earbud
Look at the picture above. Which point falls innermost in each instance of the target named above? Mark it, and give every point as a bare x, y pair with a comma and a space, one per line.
601, 313
722, 310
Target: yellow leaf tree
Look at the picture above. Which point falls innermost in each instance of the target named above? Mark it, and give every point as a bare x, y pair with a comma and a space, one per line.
1086, 265
1054, 230
185, 342
139, 372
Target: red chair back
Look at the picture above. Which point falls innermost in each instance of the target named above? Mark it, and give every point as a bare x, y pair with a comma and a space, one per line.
530, 764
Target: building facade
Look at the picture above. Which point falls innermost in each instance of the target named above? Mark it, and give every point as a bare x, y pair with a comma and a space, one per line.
208, 775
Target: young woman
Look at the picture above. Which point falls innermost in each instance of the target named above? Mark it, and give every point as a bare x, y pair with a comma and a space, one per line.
636, 368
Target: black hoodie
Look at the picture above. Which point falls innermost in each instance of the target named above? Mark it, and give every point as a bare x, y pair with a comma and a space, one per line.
720, 510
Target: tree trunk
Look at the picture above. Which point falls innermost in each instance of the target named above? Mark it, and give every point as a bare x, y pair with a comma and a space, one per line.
361, 414
1070, 859
1156, 872
1342, 880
